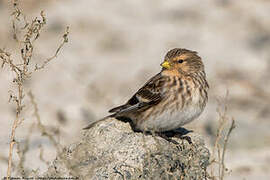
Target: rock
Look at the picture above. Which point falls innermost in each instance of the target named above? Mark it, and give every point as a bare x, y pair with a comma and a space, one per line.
111, 150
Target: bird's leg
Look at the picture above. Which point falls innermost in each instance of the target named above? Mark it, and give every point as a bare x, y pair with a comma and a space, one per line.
180, 133
166, 136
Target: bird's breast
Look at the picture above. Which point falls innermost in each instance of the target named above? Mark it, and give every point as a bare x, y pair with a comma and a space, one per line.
173, 112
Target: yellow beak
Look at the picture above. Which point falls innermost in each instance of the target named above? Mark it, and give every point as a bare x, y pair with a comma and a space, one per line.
166, 64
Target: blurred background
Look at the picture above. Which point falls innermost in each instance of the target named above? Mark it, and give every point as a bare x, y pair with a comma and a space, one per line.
115, 46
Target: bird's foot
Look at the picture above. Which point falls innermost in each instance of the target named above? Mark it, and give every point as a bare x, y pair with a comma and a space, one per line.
166, 137
180, 133
187, 138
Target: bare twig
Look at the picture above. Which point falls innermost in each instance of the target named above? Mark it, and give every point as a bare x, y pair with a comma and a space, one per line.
65, 40
221, 142
40, 125
18, 100
41, 157
225, 147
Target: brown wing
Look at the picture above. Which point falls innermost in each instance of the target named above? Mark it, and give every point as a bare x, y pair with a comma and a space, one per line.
150, 94
147, 96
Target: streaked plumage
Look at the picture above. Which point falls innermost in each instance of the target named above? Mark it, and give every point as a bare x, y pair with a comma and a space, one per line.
172, 98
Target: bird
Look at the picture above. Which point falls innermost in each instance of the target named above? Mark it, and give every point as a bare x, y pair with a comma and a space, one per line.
172, 98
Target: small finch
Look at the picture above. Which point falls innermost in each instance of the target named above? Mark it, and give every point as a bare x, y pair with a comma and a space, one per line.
172, 98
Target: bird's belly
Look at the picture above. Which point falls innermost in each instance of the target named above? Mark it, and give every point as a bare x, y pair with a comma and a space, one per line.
171, 119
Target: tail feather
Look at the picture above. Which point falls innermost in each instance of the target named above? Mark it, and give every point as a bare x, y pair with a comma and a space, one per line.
94, 123
118, 108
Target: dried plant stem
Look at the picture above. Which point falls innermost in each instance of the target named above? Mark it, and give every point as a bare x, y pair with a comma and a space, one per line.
21, 151
40, 125
41, 157
224, 149
16, 122
221, 142
65, 40
10, 153
216, 148
30, 33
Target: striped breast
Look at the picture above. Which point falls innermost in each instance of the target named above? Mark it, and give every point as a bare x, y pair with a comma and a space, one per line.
184, 100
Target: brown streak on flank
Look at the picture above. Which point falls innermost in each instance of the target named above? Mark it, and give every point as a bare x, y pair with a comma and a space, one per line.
201, 94
172, 106
148, 113
187, 94
183, 100
141, 117
207, 85
166, 102
196, 83
175, 93
180, 91
200, 80
175, 97
205, 92
177, 105
163, 109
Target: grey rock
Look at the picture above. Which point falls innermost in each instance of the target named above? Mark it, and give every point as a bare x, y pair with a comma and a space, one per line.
111, 150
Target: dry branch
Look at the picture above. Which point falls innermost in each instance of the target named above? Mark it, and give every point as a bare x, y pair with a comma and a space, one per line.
221, 142
30, 33
41, 127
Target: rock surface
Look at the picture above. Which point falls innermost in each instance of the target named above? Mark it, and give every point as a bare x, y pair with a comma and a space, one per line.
111, 150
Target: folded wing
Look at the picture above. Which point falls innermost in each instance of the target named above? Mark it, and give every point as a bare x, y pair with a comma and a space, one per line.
150, 94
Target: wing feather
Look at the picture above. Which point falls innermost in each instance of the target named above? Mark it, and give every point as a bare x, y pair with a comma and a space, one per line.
150, 94
147, 96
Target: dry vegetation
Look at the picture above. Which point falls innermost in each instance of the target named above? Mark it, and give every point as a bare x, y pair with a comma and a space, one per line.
226, 125
26, 33
26, 36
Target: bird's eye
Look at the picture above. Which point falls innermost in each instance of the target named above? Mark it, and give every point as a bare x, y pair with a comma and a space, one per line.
180, 61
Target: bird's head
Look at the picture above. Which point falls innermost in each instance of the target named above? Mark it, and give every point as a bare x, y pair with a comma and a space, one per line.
182, 61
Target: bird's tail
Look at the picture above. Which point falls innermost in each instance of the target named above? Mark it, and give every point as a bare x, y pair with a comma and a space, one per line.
94, 123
